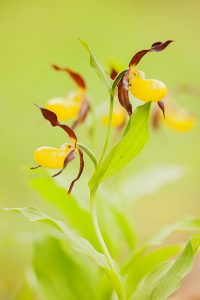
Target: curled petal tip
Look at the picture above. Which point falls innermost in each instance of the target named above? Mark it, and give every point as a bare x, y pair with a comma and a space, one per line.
162, 107
159, 46
78, 79
55, 67
155, 47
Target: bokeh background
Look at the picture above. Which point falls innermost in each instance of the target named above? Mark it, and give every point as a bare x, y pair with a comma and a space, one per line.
35, 34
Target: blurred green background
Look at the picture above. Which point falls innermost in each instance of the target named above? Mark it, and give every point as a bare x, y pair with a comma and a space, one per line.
35, 34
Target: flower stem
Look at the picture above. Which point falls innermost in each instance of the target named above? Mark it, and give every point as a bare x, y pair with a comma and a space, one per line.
120, 287
108, 128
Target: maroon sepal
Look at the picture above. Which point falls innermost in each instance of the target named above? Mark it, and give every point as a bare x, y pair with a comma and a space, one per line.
123, 95
80, 171
161, 105
70, 156
52, 118
85, 108
113, 73
75, 76
159, 46
155, 47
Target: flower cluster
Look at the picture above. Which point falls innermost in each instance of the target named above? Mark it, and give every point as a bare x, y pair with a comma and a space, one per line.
76, 106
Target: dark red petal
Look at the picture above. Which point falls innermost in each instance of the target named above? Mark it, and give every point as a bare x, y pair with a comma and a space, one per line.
159, 46
123, 95
113, 73
155, 47
85, 107
161, 105
80, 170
137, 57
70, 156
74, 75
52, 118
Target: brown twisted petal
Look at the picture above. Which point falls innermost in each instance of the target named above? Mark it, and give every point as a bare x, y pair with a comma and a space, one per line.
74, 75
155, 47
80, 170
123, 96
85, 107
70, 156
161, 105
52, 118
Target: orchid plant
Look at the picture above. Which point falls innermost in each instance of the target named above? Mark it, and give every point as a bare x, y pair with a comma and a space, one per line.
152, 271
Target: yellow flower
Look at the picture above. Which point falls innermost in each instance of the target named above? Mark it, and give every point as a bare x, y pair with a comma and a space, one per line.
52, 158
134, 80
75, 105
55, 158
118, 118
179, 119
176, 118
146, 89
68, 108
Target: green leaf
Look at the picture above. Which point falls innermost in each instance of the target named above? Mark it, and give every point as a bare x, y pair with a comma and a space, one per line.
169, 283
76, 242
77, 217
146, 263
98, 68
184, 225
151, 281
129, 146
187, 224
195, 241
125, 227
171, 280
59, 275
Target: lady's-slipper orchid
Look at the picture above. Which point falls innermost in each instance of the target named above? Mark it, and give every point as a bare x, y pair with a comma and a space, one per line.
118, 118
134, 80
54, 158
176, 118
75, 105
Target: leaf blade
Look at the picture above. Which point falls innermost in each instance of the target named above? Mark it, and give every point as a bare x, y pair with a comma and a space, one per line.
130, 145
172, 277
97, 66
76, 242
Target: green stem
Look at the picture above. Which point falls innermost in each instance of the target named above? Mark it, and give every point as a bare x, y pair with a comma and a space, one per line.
121, 291
108, 128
